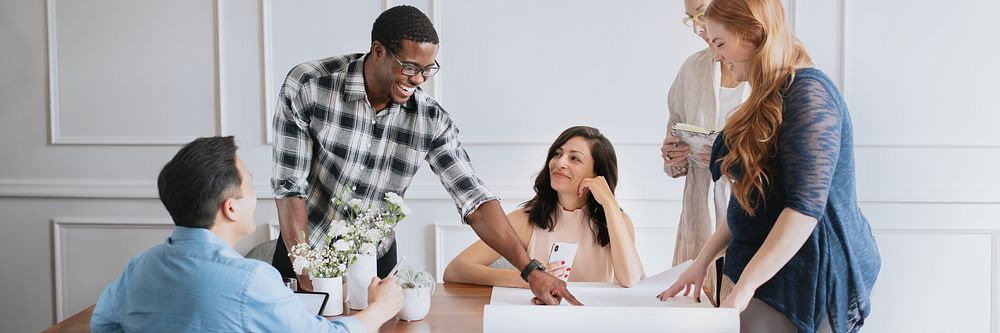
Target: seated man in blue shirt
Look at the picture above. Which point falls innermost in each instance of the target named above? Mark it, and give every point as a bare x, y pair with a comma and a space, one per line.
197, 282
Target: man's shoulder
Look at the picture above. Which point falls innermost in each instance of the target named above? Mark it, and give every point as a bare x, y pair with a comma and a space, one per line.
326, 67
427, 106
146, 255
249, 265
207, 255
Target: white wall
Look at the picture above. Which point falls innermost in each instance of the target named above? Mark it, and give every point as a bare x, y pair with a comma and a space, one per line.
96, 95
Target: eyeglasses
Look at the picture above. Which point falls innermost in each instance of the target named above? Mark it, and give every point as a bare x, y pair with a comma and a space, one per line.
410, 69
691, 21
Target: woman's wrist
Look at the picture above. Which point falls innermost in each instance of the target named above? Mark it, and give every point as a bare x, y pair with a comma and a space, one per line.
613, 207
702, 261
513, 280
744, 286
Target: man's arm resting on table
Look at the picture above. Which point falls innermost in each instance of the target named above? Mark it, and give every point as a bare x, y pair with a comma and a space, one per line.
292, 222
491, 225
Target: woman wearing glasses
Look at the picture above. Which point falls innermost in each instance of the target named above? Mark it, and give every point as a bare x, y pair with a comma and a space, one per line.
703, 94
800, 251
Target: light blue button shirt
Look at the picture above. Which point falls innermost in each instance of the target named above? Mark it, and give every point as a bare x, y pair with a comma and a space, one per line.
195, 282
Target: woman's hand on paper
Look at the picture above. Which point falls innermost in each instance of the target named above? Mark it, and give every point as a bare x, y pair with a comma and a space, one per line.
674, 152
689, 281
549, 290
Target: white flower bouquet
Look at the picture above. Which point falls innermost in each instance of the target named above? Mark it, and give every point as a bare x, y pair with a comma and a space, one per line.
369, 226
330, 259
360, 233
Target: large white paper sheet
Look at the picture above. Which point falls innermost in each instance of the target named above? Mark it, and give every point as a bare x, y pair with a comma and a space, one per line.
611, 294
609, 308
536, 318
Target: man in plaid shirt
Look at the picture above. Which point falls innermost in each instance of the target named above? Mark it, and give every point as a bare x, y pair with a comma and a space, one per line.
360, 121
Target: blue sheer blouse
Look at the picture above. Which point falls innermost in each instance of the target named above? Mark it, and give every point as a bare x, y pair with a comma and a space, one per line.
812, 172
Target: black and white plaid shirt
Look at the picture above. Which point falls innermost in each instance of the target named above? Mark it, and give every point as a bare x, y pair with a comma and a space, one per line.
327, 136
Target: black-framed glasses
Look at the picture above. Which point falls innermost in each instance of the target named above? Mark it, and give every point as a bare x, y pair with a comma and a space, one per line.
410, 69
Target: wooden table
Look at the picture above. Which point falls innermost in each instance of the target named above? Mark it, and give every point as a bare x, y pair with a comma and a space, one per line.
454, 308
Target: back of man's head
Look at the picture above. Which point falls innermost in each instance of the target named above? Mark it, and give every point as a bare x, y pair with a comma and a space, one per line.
196, 181
401, 23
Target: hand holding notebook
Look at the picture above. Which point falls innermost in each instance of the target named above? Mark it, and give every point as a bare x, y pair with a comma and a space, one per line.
699, 139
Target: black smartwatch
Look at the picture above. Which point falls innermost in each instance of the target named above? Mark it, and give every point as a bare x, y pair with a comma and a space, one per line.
531, 267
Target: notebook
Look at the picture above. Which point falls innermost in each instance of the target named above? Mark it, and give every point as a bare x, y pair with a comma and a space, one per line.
695, 137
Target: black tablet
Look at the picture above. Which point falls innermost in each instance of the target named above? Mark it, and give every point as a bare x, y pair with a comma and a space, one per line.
313, 301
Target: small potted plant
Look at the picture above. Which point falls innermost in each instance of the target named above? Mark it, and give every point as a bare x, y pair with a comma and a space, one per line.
417, 289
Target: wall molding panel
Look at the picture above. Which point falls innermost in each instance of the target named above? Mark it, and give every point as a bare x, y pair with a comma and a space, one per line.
993, 275
268, 96
850, 32
62, 224
55, 123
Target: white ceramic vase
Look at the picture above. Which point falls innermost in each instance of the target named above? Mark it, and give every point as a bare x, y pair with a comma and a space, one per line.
334, 287
359, 276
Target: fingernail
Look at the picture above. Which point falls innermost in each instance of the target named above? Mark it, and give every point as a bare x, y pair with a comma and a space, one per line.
568, 269
566, 276
562, 262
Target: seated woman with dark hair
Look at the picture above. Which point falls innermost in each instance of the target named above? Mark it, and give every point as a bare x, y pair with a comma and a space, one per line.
574, 202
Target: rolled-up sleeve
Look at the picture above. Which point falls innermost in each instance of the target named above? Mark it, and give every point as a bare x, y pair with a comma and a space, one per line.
292, 142
449, 160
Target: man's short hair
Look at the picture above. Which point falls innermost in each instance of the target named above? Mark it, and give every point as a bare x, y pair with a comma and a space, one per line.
403, 23
196, 181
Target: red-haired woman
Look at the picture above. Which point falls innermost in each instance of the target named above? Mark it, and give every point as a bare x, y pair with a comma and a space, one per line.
800, 251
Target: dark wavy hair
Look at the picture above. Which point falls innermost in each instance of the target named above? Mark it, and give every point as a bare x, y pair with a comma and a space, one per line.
542, 208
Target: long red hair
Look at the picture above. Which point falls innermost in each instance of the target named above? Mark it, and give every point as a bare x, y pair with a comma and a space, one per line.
751, 133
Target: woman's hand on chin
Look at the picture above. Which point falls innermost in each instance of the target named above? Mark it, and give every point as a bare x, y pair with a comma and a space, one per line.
598, 186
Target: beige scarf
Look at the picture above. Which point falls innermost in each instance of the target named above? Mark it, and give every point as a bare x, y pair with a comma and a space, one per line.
693, 99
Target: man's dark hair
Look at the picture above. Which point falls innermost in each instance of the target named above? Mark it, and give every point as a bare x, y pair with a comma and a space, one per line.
403, 23
196, 181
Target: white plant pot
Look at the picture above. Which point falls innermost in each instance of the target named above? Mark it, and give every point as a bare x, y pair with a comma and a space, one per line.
416, 304
359, 276
334, 287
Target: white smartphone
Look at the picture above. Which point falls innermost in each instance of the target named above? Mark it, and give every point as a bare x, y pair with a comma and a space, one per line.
563, 251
